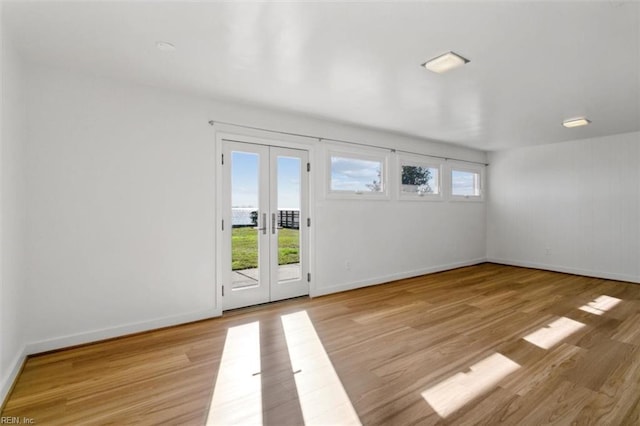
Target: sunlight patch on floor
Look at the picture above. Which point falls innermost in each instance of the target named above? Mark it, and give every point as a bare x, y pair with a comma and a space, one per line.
237, 396
323, 399
453, 393
552, 334
600, 305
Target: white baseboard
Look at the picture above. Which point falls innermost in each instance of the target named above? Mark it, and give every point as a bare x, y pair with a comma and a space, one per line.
122, 330
10, 377
393, 277
567, 270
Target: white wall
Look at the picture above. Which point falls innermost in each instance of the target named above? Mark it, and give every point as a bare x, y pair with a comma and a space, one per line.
384, 241
121, 201
121, 208
13, 308
570, 207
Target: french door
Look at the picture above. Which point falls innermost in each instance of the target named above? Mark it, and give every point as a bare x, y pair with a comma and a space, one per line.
265, 233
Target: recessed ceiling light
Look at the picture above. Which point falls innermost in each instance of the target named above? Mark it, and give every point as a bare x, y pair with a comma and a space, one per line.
165, 46
576, 122
445, 62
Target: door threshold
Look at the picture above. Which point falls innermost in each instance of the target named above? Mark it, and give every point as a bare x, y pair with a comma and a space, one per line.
261, 306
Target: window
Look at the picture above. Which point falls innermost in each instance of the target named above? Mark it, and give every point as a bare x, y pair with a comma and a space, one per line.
419, 180
360, 175
466, 183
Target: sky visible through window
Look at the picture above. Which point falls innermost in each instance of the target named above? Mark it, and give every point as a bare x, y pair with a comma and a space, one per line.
244, 178
289, 183
464, 183
351, 174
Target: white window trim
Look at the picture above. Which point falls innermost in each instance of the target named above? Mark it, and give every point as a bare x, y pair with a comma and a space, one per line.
367, 155
465, 168
419, 161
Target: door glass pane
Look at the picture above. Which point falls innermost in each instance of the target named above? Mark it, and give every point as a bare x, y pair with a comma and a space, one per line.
289, 200
245, 218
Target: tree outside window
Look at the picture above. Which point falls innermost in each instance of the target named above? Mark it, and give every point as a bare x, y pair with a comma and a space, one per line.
418, 179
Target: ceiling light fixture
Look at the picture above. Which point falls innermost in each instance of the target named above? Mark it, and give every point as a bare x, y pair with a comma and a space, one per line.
165, 46
445, 62
576, 122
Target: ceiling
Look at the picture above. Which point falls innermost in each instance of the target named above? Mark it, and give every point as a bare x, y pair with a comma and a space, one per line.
533, 64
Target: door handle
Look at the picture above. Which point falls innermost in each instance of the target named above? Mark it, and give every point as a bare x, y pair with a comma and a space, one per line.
264, 224
273, 224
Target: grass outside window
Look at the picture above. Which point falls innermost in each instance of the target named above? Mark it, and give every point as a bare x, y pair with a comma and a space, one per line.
244, 247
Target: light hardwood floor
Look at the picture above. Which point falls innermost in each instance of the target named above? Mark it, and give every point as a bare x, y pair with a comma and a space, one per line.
487, 344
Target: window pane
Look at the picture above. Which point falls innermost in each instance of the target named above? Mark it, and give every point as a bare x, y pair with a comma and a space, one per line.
418, 180
465, 183
355, 175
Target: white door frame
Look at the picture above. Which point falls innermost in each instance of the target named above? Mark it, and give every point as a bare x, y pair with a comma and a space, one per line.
239, 134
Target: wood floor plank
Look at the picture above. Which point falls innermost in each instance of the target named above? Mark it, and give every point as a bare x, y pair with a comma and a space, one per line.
629, 330
536, 374
557, 404
465, 332
599, 363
